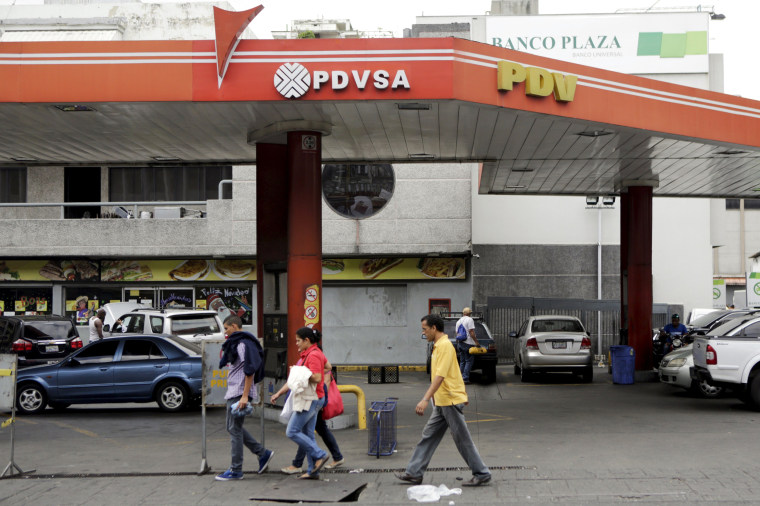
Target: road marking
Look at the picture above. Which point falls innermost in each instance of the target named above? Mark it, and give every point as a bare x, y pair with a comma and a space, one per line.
76, 429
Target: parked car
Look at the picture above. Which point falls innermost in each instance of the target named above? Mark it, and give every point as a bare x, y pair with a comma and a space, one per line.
484, 362
705, 323
553, 343
38, 339
114, 310
129, 368
193, 325
675, 370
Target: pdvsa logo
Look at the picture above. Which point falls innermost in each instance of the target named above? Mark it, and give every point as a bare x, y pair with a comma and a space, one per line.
293, 80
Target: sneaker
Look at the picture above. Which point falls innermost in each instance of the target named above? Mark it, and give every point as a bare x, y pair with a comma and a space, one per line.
291, 470
264, 461
228, 475
334, 464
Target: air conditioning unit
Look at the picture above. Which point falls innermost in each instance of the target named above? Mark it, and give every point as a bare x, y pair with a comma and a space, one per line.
169, 213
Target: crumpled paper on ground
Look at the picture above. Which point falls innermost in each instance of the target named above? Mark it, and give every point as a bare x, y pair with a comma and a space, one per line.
430, 493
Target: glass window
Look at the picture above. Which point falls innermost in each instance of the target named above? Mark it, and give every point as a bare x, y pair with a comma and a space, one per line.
357, 190
191, 324
155, 184
748, 203
556, 326
137, 349
12, 184
56, 330
176, 298
134, 323
83, 303
27, 300
227, 301
101, 352
157, 324
752, 330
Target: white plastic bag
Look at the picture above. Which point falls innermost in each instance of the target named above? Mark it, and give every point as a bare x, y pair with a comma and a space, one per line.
287, 409
430, 493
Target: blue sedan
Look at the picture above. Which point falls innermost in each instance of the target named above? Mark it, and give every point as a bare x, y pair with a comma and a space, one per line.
133, 368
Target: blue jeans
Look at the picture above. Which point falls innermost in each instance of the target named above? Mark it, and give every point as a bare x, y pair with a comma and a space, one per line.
465, 360
239, 437
442, 418
327, 436
301, 431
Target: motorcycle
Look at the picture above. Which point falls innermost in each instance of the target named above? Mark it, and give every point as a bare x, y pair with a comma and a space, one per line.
663, 343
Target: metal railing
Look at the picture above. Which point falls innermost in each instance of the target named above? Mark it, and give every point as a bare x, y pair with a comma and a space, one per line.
134, 205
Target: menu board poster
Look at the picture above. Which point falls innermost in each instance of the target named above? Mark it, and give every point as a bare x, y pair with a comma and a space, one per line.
49, 270
227, 302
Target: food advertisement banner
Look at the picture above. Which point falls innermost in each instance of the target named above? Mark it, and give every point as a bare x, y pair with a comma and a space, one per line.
389, 268
148, 271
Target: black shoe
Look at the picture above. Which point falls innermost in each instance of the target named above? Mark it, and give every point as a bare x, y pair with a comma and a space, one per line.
476, 481
408, 477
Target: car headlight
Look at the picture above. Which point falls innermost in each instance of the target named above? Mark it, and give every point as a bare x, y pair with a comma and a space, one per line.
677, 362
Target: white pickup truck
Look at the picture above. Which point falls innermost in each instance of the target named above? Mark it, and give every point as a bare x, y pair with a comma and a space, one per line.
729, 356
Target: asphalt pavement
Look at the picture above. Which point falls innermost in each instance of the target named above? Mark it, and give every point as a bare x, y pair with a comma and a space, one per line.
554, 440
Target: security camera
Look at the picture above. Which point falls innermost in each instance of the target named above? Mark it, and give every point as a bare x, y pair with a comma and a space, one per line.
475, 255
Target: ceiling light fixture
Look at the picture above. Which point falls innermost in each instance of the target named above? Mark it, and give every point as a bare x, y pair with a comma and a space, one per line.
24, 159
592, 200
421, 156
525, 169
412, 106
730, 152
166, 158
608, 200
74, 108
594, 133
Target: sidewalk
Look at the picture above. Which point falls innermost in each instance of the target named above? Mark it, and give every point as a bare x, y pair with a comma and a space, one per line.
548, 442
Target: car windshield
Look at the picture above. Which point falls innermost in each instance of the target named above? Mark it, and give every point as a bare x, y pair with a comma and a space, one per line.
556, 326
56, 329
726, 328
186, 346
706, 319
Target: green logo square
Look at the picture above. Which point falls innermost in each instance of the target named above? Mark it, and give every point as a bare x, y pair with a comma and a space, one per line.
649, 44
673, 45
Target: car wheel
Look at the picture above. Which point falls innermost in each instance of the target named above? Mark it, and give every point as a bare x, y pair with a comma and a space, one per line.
588, 374
489, 373
525, 376
59, 405
172, 396
31, 399
706, 390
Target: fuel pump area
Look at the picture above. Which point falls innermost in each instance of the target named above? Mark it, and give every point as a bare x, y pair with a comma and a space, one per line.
535, 126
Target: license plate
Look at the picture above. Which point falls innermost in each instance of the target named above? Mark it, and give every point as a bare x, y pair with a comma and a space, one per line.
559, 345
51, 349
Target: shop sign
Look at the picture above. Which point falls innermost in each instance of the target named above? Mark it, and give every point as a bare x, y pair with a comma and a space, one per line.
538, 82
385, 268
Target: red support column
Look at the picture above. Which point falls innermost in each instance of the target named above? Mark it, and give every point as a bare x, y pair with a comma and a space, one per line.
638, 265
304, 234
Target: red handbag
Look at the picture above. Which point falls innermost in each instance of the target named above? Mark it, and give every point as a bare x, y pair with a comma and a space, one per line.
334, 406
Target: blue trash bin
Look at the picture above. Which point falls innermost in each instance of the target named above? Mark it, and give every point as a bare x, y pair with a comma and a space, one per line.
623, 364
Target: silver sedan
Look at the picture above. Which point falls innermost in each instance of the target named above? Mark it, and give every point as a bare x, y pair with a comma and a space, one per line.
553, 343
674, 370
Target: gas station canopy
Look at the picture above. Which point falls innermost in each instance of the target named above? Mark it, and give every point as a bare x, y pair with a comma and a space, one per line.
539, 126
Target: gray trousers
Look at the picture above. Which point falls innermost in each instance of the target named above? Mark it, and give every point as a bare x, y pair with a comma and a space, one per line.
239, 437
442, 418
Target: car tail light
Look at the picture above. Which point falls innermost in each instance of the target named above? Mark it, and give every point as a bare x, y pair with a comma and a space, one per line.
711, 358
492, 347
21, 345
76, 343
532, 344
586, 343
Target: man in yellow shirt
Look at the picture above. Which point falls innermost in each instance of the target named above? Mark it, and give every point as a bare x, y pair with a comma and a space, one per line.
449, 399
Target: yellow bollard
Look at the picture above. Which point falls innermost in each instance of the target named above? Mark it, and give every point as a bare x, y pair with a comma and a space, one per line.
360, 401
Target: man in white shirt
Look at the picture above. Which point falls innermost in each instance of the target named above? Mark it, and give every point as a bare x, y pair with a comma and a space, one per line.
465, 359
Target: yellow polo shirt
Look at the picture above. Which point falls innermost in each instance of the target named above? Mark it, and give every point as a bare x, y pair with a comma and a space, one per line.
444, 363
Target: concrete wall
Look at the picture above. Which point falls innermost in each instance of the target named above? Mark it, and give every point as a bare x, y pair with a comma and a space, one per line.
428, 213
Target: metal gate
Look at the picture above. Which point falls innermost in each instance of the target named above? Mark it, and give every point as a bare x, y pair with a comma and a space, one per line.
599, 317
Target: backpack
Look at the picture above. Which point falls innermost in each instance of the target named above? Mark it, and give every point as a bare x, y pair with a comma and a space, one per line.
461, 333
